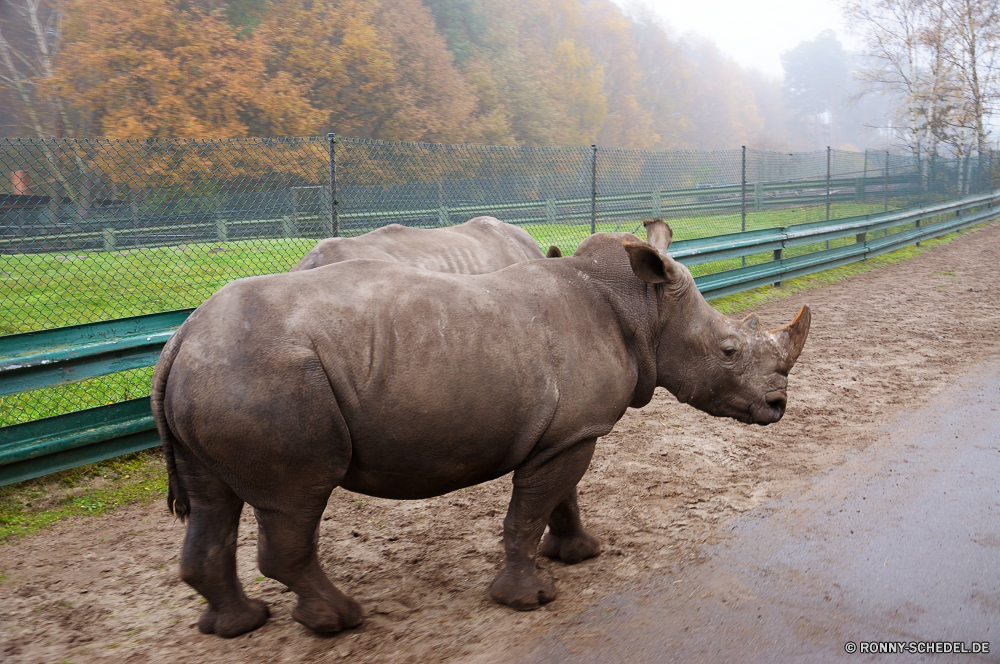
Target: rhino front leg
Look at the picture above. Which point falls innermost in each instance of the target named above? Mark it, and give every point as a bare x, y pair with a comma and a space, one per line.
567, 540
287, 546
538, 489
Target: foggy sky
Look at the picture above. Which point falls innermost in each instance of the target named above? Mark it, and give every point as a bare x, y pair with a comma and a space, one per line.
754, 32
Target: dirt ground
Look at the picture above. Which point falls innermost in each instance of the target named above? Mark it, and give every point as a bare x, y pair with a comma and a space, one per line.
665, 482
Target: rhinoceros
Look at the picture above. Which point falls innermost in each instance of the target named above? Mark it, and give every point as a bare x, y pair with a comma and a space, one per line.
480, 245
398, 382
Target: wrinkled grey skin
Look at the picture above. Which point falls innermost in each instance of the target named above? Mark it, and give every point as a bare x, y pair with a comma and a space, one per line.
397, 382
480, 245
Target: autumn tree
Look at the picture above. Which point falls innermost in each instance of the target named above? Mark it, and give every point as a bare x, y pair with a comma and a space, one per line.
817, 78
699, 98
429, 99
972, 30
28, 65
527, 72
938, 60
160, 68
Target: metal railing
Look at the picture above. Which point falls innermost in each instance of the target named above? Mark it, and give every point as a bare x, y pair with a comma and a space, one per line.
108, 232
66, 355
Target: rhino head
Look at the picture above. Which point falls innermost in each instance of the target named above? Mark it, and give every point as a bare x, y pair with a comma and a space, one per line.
721, 365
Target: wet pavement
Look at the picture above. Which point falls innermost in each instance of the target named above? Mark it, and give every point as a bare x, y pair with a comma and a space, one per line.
899, 544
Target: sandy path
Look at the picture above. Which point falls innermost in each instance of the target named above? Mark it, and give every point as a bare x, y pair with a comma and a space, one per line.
897, 545
662, 484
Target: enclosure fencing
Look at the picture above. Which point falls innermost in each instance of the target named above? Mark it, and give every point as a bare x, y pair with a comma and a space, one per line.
96, 231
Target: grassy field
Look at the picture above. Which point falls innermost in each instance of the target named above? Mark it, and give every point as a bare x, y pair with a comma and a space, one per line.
46, 290
91, 490
568, 236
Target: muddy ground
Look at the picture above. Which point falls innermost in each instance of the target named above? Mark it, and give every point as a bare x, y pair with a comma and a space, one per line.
664, 483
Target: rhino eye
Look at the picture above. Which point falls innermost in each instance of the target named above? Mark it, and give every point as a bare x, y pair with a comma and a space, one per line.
729, 351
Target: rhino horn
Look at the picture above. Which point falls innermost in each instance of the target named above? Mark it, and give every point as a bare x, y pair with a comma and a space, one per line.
792, 337
658, 234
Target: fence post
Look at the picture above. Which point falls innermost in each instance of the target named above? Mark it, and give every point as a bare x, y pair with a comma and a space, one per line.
593, 189
828, 188
862, 238
444, 216
864, 180
657, 204
221, 230
886, 205
920, 177
743, 200
917, 225
758, 196
777, 257
550, 210
930, 179
334, 218
288, 229
109, 239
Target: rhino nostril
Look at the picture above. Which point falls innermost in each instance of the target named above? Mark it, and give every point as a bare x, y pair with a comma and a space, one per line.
776, 400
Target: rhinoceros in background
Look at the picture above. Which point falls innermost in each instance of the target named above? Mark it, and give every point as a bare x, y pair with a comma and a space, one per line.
402, 383
480, 245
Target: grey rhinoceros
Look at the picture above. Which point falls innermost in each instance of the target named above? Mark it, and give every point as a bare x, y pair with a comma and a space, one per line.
402, 383
480, 245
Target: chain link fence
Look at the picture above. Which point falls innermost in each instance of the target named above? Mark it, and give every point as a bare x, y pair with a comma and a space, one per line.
94, 230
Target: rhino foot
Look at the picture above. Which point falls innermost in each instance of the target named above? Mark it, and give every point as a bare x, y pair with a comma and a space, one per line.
524, 592
228, 624
324, 616
570, 550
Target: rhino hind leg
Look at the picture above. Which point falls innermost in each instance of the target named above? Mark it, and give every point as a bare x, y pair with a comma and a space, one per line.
208, 560
287, 547
566, 539
538, 490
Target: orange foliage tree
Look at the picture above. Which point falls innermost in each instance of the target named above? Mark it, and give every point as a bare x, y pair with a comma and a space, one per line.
528, 72
161, 68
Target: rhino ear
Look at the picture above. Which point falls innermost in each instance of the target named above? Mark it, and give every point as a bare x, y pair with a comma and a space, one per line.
751, 321
658, 234
649, 264
554, 252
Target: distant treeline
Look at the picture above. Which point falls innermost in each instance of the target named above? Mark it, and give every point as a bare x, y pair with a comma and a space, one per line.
519, 72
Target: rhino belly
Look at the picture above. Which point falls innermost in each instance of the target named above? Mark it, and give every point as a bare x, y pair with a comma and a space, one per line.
414, 449
424, 481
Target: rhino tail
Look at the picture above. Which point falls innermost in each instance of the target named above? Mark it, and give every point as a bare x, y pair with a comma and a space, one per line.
177, 498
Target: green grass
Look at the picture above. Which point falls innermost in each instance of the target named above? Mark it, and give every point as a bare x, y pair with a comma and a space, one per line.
99, 488
40, 291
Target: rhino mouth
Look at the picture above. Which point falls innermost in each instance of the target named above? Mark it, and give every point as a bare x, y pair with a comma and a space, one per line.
771, 410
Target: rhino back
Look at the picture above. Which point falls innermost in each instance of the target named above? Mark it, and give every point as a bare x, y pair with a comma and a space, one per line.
478, 246
510, 241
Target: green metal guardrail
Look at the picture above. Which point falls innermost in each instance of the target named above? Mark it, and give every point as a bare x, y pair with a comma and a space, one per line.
65, 355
